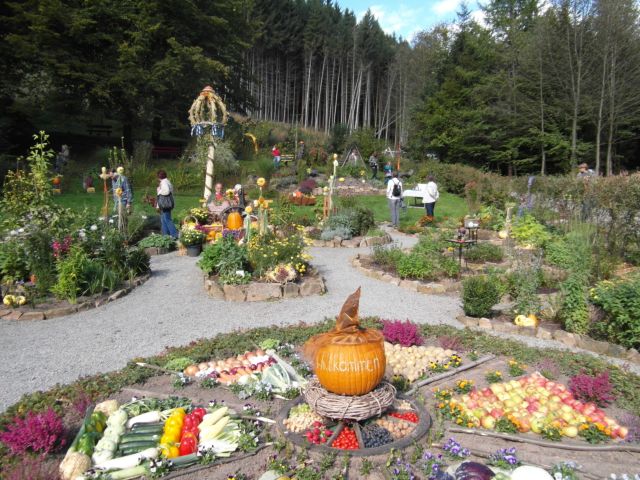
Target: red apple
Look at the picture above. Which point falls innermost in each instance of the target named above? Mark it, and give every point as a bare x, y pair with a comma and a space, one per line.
488, 422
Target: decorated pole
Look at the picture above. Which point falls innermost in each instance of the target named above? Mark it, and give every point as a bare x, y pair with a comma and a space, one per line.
105, 201
208, 112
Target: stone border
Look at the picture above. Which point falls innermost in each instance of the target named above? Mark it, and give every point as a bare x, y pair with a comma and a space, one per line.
263, 291
355, 242
430, 288
99, 300
151, 251
569, 339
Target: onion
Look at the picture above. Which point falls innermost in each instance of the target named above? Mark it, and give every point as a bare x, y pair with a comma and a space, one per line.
191, 371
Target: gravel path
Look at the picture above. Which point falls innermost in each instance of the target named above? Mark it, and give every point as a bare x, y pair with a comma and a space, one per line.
172, 309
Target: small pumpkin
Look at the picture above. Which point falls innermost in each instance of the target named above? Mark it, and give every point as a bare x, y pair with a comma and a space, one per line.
503, 234
527, 321
234, 221
348, 360
56, 181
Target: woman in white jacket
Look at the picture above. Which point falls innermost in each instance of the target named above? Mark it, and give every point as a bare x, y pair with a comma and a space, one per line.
430, 195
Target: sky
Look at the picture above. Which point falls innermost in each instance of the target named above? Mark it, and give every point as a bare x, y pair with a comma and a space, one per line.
407, 17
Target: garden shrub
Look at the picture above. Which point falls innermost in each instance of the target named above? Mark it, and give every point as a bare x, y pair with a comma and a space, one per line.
307, 186
386, 255
137, 261
358, 220
223, 257
266, 251
13, 261
479, 294
70, 274
559, 253
484, 252
574, 312
415, 266
449, 266
526, 230
524, 290
37, 432
620, 301
341, 232
157, 241
491, 218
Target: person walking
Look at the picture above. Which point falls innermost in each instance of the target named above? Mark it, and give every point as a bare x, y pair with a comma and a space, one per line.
373, 164
430, 196
164, 204
388, 169
276, 156
394, 198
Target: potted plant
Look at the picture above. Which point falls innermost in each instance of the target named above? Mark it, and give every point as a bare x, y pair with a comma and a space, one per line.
192, 239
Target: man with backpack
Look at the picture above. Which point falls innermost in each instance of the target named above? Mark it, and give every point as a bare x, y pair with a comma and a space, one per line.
394, 198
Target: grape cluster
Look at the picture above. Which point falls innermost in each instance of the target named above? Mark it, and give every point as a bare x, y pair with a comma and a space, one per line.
374, 435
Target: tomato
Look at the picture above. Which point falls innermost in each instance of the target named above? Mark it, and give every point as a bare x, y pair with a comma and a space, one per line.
346, 440
188, 445
199, 412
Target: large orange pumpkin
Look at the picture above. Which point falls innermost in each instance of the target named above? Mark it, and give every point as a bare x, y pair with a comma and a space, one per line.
234, 221
348, 360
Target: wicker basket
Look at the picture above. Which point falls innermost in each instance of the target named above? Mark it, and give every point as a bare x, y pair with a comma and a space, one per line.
343, 407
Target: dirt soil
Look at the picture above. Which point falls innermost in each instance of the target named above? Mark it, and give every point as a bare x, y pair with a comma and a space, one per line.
598, 465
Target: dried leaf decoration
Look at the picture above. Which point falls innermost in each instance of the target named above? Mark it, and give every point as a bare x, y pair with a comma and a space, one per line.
348, 318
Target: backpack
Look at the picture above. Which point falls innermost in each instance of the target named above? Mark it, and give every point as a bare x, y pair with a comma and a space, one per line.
397, 191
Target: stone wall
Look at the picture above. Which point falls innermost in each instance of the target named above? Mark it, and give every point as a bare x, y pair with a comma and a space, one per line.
263, 291
569, 339
355, 242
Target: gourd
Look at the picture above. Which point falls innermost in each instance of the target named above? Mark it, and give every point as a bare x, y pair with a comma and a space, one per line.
348, 360
234, 221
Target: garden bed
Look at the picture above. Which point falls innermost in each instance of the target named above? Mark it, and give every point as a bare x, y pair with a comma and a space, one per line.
60, 308
310, 284
276, 452
447, 285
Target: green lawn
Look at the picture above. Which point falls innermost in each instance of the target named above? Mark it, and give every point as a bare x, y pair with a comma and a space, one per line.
449, 206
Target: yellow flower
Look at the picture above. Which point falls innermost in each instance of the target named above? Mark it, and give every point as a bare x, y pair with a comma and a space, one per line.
261, 182
248, 209
341, 179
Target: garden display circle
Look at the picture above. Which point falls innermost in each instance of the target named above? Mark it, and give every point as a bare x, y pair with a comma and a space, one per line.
419, 430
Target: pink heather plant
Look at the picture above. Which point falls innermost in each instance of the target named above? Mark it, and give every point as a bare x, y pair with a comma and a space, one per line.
451, 343
405, 333
37, 432
592, 389
32, 468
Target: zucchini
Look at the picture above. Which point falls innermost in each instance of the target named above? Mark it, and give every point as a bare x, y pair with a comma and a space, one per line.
147, 426
185, 460
135, 447
139, 437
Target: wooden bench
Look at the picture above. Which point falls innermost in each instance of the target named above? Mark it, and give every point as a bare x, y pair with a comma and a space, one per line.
99, 130
285, 159
162, 151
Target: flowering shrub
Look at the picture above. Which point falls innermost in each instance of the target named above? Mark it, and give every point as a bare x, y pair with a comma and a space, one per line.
266, 251
405, 333
449, 342
592, 389
37, 432
307, 186
191, 236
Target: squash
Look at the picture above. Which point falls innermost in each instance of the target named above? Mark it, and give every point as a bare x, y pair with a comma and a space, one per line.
527, 321
234, 221
503, 234
348, 360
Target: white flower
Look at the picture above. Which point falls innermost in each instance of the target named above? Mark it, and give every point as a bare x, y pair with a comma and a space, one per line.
93, 228
82, 234
21, 230
111, 220
101, 219
13, 232
144, 217
102, 237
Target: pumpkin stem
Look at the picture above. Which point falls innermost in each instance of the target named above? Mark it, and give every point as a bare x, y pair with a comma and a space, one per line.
348, 318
